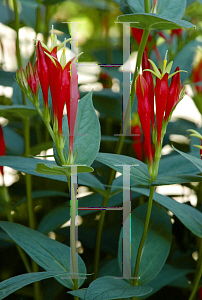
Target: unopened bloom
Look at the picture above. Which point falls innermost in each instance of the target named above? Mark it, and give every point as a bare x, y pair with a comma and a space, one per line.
161, 95
43, 72
144, 112
2, 148
32, 78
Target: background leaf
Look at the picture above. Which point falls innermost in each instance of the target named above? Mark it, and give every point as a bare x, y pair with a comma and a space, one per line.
108, 287
13, 284
47, 253
188, 215
157, 244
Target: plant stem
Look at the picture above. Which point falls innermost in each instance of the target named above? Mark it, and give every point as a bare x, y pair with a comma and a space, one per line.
146, 225
146, 6
199, 273
118, 151
73, 232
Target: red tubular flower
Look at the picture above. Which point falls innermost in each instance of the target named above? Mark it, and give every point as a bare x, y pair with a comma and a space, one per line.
33, 78
137, 144
144, 112
43, 72
149, 80
197, 75
2, 148
161, 95
174, 92
177, 32
72, 105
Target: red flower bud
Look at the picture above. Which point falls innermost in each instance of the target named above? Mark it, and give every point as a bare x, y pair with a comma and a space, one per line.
197, 75
161, 95
72, 104
43, 72
174, 92
137, 145
148, 77
32, 78
144, 111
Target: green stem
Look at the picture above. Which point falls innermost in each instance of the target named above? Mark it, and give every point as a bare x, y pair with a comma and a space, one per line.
199, 273
118, 151
146, 6
28, 176
72, 233
17, 26
146, 225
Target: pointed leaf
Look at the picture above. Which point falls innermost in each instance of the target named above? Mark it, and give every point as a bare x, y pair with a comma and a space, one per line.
188, 215
138, 173
47, 253
13, 284
157, 244
108, 287
60, 170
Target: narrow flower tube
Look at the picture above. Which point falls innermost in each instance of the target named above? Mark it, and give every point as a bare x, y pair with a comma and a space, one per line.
72, 105
149, 80
161, 95
2, 148
173, 96
43, 72
33, 78
137, 144
144, 111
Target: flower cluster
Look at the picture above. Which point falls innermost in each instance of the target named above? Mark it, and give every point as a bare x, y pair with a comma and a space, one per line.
166, 99
61, 78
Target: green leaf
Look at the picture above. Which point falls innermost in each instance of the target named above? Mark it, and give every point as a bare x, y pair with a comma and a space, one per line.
13, 284
183, 178
42, 194
167, 275
58, 216
28, 165
168, 8
195, 160
188, 215
47, 253
185, 57
87, 133
14, 141
138, 173
79, 293
108, 287
154, 21
157, 243
20, 111
60, 170
7, 78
